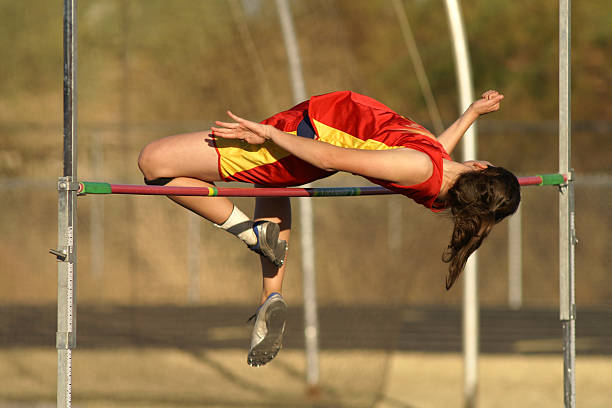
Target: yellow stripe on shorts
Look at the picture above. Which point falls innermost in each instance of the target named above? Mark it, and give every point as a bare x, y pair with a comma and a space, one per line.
236, 156
339, 138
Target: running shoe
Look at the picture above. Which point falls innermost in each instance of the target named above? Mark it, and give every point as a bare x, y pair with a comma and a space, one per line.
267, 337
268, 245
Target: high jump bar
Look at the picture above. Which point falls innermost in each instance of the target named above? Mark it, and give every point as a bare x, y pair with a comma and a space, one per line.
88, 187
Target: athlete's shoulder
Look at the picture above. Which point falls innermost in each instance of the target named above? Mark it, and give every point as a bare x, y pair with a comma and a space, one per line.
423, 166
415, 167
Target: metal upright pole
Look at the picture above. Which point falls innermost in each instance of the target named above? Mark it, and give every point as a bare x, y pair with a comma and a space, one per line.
67, 193
470, 278
515, 260
567, 233
311, 324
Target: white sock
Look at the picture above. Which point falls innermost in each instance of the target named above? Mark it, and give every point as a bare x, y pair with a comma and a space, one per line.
241, 226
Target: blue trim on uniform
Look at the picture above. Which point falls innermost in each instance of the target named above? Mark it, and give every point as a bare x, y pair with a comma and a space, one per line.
305, 128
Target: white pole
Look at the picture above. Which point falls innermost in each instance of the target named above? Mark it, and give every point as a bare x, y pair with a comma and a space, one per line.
515, 261
311, 324
567, 233
470, 279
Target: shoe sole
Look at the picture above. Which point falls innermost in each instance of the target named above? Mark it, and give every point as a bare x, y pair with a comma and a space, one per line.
271, 247
268, 348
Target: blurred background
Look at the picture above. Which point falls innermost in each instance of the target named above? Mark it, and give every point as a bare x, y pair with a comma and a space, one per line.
163, 296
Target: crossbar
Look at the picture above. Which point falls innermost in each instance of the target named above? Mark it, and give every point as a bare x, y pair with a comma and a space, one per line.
88, 187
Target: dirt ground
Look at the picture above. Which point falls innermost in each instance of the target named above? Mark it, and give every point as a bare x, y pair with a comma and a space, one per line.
165, 377
435, 380
374, 357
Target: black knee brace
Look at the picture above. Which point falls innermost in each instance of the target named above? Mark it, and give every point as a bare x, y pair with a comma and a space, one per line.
162, 181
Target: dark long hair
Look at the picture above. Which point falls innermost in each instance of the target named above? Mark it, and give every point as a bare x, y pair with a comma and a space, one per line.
478, 200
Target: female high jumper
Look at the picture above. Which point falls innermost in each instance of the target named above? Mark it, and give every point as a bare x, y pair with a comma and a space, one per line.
338, 131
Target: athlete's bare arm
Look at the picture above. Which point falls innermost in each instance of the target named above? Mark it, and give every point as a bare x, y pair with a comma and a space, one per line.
403, 166
489, 102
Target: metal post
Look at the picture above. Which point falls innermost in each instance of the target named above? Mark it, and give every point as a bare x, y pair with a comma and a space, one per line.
567, 233
470, 278
311, 324
515, 261
67, 193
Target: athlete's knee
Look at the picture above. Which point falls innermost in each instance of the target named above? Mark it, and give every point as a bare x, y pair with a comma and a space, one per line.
150, 161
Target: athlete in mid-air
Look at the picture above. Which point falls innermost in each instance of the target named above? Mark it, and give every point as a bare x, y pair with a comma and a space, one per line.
338, 131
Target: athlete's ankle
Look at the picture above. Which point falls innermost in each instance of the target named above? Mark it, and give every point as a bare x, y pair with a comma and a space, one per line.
241, 226
267, 293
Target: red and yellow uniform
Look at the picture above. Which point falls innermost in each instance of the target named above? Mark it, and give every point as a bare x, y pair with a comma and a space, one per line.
344, 119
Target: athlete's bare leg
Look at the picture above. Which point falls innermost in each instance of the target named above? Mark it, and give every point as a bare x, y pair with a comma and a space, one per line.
278, 210
191, 160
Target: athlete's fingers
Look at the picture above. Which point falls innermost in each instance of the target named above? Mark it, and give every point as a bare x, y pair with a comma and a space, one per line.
490, 94
227, 125
225, 133
236, 117
254, 126
223, 129
244, 122
497, 101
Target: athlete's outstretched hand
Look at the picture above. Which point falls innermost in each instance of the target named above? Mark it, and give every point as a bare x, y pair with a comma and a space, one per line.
242, 129
489, 102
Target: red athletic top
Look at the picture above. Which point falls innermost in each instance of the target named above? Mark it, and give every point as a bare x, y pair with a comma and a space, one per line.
345, 119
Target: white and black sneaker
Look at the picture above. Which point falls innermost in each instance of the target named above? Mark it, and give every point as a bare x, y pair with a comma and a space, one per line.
268, 245
267, 337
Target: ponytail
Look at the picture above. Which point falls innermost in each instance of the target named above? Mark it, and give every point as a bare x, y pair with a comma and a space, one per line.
478, 200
